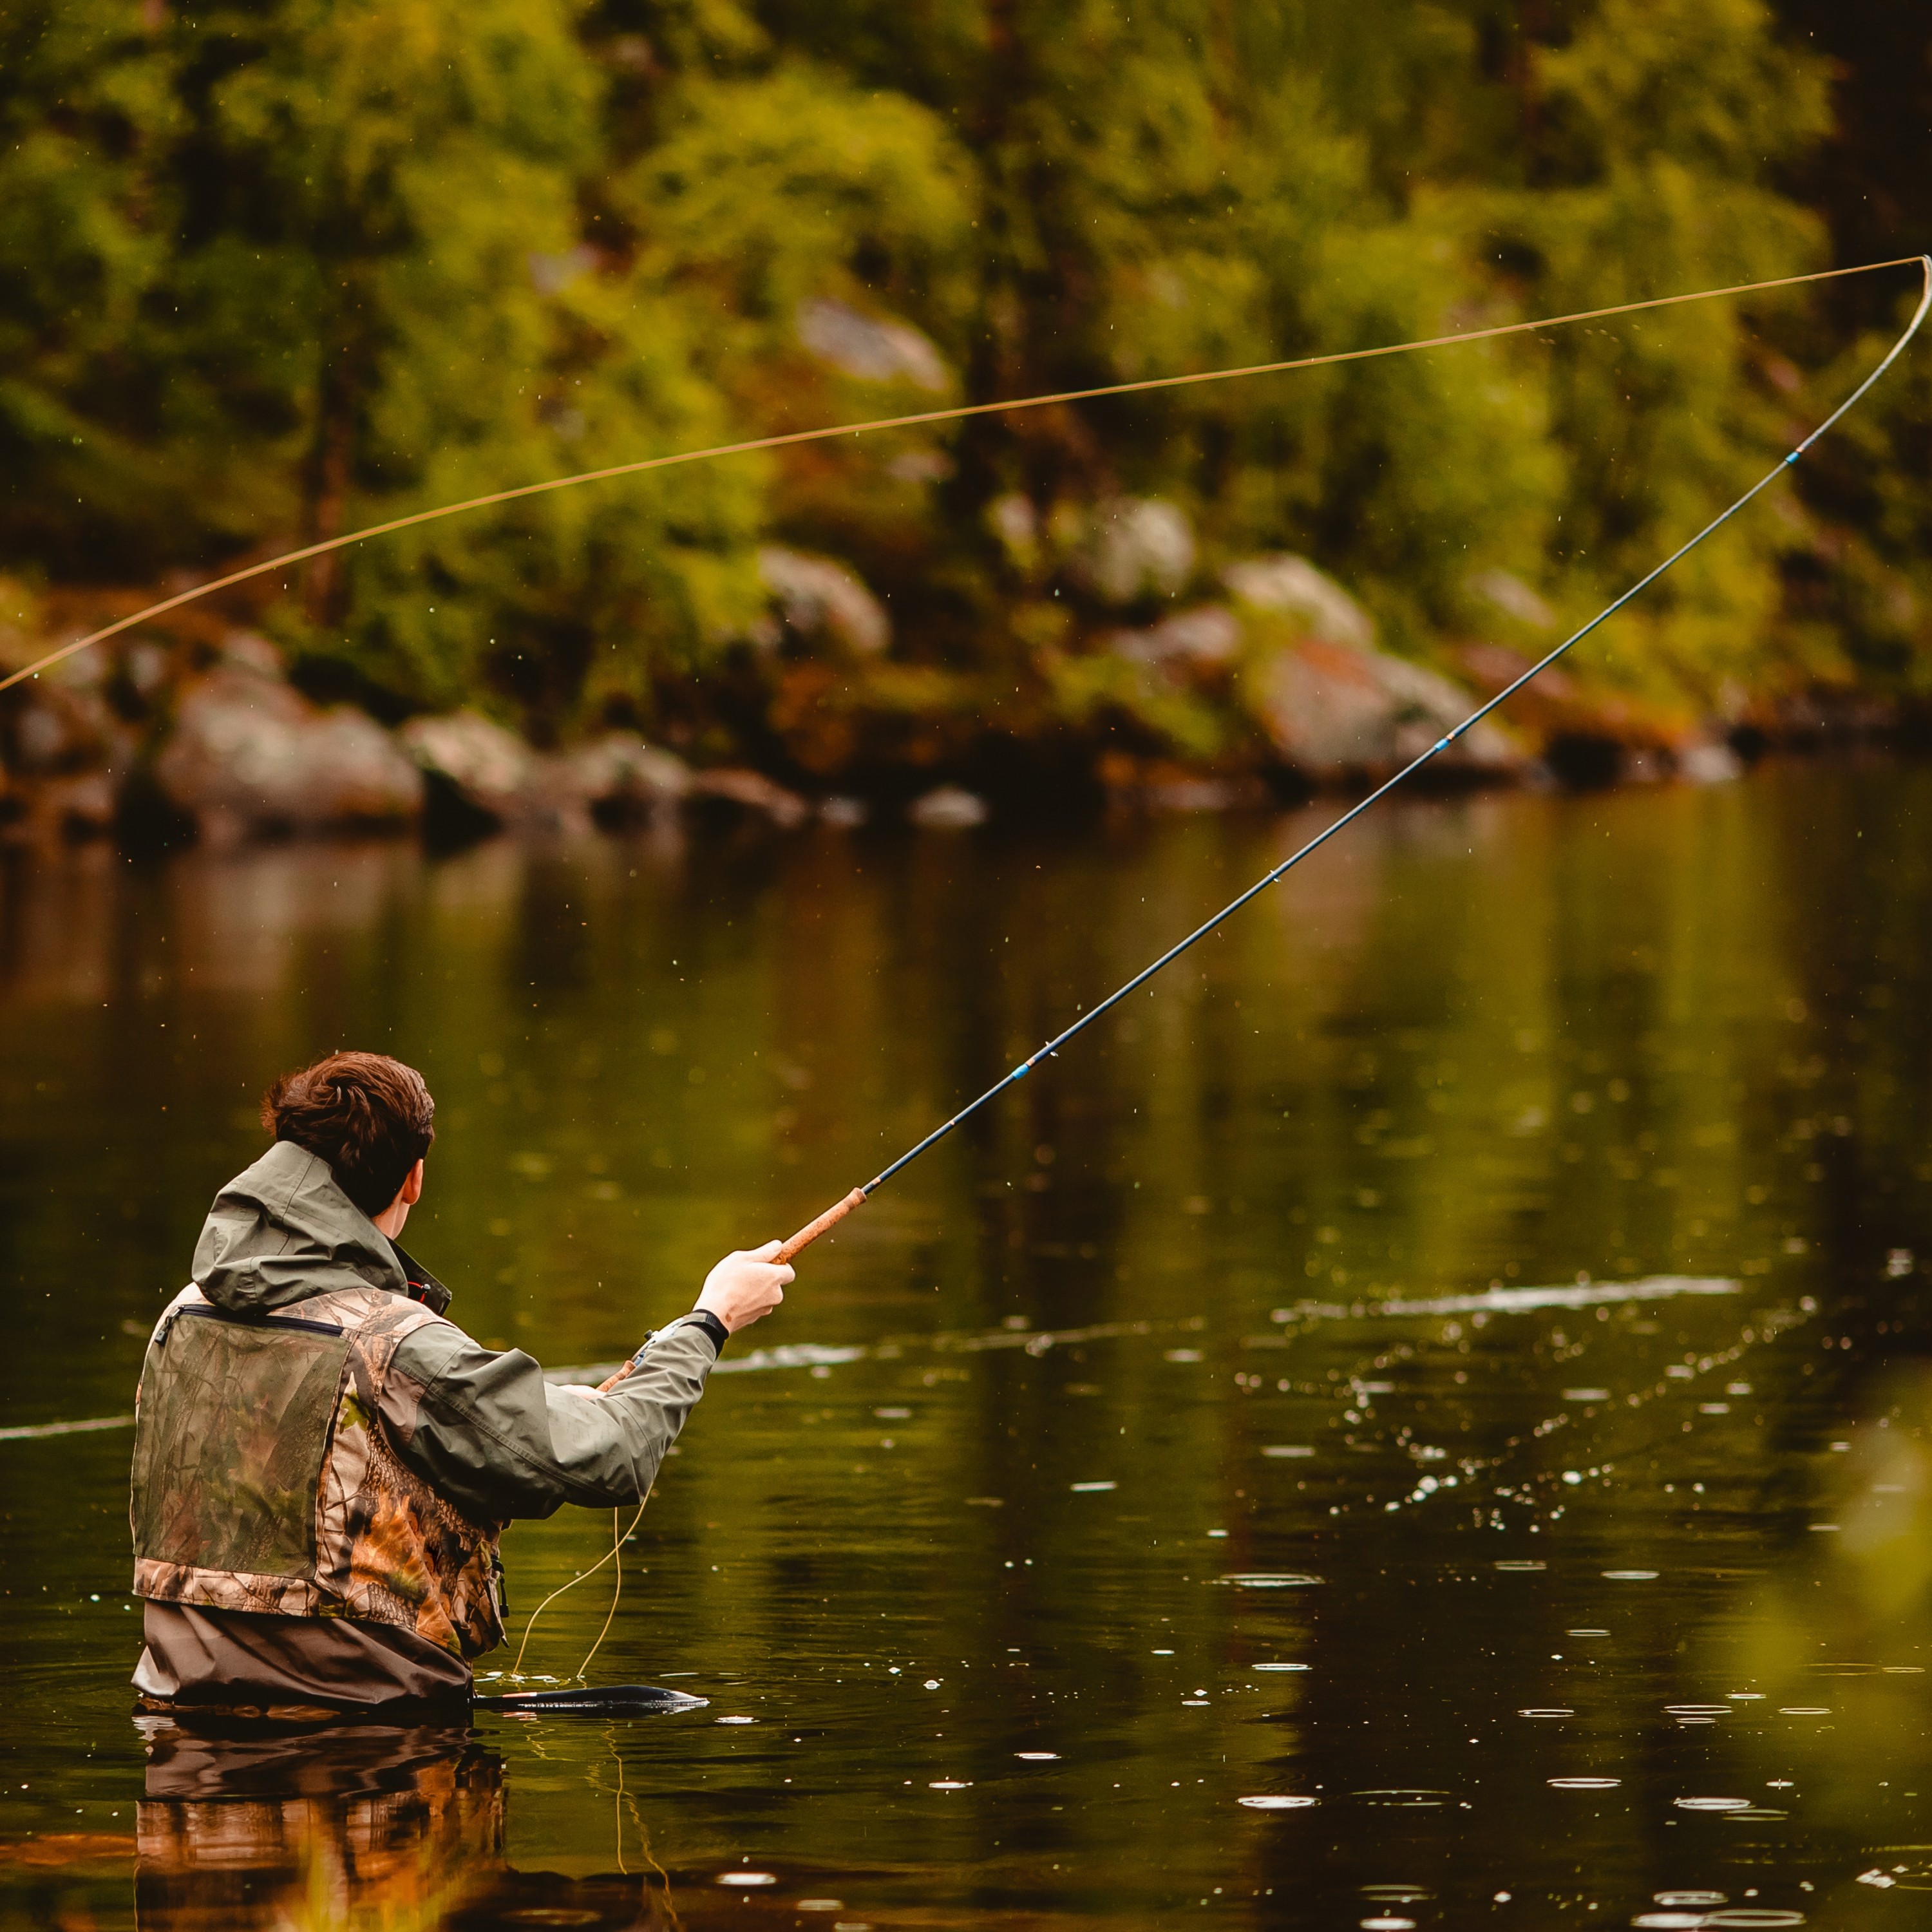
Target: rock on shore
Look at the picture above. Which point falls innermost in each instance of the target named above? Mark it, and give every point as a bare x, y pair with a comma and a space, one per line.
1333, 712
481, 777
248, 755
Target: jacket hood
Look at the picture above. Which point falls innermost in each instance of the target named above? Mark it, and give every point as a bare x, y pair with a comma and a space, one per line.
283, 1230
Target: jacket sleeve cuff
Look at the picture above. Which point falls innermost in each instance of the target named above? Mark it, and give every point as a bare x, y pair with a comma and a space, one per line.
702, 1318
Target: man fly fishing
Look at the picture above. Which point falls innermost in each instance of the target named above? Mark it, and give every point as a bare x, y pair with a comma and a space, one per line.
324, 1463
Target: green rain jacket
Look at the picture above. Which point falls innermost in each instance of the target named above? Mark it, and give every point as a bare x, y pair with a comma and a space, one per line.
481, 1426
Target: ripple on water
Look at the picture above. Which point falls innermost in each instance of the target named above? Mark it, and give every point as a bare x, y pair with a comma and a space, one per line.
1584, 1783
1270, 1801
1269, 1580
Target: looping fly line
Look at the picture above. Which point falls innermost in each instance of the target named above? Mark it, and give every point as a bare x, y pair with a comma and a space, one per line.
956, 413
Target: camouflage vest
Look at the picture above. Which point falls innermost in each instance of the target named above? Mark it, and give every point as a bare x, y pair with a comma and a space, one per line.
265, 1480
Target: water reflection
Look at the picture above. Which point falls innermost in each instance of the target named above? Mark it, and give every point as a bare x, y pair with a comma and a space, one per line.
1392, 1370
348, 1825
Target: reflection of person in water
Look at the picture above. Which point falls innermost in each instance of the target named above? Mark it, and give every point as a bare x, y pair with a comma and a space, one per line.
323, 1464
356, 1824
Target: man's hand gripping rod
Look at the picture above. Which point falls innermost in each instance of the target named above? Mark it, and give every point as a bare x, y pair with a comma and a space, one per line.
803, 1239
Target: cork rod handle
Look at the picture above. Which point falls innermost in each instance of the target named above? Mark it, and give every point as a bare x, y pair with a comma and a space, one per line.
810, 1231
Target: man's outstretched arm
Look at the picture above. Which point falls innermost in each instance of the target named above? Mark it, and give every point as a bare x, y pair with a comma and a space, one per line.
492, 1435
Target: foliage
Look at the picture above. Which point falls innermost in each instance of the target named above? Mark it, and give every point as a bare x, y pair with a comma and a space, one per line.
271, 272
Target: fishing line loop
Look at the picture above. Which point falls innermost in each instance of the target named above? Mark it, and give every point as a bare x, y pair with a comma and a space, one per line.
616, 1546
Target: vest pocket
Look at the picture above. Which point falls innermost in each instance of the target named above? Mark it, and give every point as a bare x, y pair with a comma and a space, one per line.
234, 1422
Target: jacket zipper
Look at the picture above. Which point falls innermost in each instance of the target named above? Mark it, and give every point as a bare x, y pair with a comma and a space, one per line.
247, 1321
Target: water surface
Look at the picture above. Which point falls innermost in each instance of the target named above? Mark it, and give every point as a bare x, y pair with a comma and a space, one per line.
1419, 1419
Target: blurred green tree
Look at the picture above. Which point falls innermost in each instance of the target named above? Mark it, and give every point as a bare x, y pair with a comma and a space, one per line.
88, 117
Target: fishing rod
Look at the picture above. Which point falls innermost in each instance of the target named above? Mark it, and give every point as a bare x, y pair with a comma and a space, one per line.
857, 1198
643, 1698
589, 1700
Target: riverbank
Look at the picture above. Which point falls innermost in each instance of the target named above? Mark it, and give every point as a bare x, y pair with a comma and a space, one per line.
207, 730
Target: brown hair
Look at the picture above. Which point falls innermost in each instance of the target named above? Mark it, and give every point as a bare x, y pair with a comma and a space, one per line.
370, 1117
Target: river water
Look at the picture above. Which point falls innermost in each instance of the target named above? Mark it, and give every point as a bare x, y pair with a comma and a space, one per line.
1419, 1419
